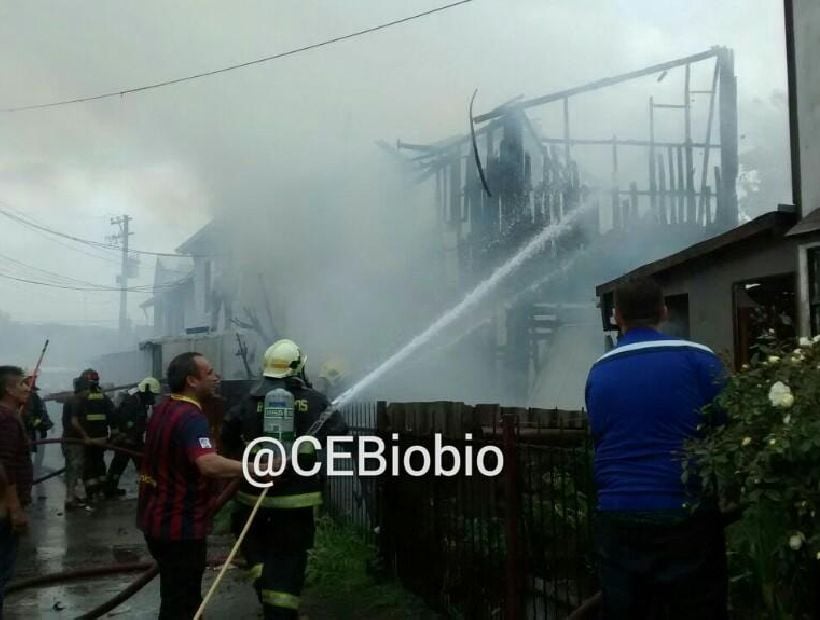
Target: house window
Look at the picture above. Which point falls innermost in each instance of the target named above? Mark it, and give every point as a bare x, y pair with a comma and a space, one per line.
762, 305
813, 268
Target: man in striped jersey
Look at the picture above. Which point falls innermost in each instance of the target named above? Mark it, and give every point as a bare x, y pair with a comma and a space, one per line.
644, 398
175, 488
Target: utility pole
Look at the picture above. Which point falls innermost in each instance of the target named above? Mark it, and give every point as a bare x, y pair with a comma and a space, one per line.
122, 222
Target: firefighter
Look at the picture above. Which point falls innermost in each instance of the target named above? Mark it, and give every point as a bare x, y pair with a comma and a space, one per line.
91, 419
333, 377
37, 423
128, 431
277, 543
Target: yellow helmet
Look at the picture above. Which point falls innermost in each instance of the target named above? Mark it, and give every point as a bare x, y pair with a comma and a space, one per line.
149, 384
334, 370
283, 359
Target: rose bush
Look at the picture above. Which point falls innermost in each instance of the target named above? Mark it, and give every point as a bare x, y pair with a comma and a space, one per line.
764, 463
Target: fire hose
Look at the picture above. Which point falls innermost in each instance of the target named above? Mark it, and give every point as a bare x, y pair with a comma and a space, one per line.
83, 442
53, 474
314, 428
151, 569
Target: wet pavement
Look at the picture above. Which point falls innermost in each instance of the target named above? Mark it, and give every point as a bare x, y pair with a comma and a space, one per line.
59, 542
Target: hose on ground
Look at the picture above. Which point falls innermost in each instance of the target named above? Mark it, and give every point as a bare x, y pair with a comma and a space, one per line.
53, 474
146, 577
231, 555
81, 573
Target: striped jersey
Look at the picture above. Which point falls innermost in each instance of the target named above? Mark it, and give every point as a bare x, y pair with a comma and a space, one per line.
174, 497
644, 399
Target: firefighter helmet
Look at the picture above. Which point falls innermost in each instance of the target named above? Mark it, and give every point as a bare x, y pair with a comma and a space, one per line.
283, 359
92, 376
149, 384
334, 371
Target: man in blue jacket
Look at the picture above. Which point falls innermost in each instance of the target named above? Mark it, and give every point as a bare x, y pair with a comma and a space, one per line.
644, 398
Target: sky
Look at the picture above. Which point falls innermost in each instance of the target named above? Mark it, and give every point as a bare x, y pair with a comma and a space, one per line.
260, 139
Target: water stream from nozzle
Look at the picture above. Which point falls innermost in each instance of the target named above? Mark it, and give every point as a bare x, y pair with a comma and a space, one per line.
453, 314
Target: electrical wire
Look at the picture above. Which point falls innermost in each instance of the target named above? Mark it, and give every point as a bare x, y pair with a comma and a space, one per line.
195, 76
99, 288
26, 221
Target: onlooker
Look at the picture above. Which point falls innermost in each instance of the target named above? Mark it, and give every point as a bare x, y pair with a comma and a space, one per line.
15, 458
174, 497
644, 397
8, 542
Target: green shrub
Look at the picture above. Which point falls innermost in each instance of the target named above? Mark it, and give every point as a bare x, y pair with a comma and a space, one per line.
765, 461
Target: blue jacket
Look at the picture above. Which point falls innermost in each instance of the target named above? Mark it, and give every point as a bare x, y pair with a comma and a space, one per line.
644, 399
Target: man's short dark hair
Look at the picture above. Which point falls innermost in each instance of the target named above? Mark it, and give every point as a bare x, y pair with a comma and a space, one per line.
640, 301
180, 368
6, 373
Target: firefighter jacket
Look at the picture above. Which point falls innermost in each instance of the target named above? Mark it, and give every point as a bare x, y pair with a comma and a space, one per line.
94, 412
37, 420
131, 419
244, 423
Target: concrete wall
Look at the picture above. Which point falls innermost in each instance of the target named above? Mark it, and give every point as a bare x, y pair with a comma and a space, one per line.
123, 367
807, 73
220, 349
709, 285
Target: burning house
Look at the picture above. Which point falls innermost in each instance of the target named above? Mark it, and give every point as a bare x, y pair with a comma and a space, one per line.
765, 274
533, 163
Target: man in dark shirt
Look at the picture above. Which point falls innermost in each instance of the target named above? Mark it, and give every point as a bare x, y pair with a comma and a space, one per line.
74, 454
174, 497
644, 400
15, 458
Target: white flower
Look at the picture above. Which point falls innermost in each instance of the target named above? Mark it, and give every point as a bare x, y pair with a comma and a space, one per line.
816, 339
780, 395
746, 441
787, 419
818, 555
773, 359
744, 367
787, 401
772, 441
796, 540
804, 342
771, 331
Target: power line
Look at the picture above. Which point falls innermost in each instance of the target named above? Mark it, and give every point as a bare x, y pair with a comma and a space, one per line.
147, 288
56, 277
196, 76
95, 244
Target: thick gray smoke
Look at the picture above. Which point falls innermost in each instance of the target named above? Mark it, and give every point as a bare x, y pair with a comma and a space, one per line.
283, 157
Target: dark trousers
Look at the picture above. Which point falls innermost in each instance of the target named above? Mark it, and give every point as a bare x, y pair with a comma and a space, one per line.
8, 556
93, 467
120, 462
655, 571
181, 565
276, 551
